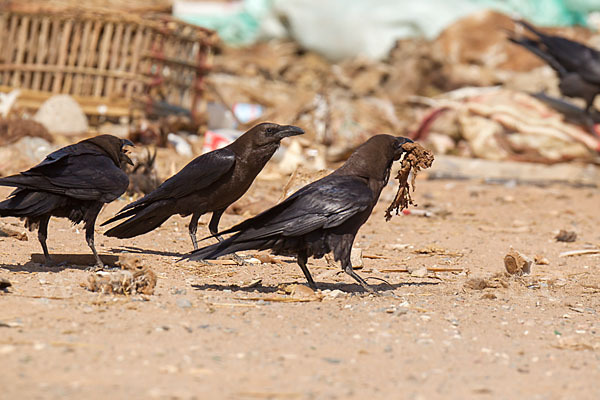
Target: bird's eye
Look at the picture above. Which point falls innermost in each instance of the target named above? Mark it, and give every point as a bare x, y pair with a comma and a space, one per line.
269, 130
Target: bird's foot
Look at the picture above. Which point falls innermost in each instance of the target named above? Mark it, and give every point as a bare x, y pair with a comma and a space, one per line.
239, 260
99, 266
369, 289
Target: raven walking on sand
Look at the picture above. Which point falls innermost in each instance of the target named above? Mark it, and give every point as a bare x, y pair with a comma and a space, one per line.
209, 183
323, 216
73, 182
577, 65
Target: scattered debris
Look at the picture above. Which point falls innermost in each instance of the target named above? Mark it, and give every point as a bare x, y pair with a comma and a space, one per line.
415, 159
479, 283
252, 284
133, 278
489, 296
566, 236
575, 343
429, 269
579, 252
182, 147
541, 260
11, 130
266, 258
143, 177
9, 231
434, 250
517, 263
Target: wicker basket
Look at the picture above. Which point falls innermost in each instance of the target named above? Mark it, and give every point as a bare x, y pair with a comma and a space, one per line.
110, 62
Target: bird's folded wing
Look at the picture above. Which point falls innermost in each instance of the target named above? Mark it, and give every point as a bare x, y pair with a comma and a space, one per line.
323, 204
197, 175
83, 176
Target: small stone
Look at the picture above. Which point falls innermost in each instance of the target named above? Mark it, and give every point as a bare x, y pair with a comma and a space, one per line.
4, 283
335, 293
356, 258
566, 236
419, 273
63, 115
541, 260
401, 311
183, 303
303, 292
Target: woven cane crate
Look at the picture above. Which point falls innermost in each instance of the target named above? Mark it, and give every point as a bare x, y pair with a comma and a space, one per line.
110, 62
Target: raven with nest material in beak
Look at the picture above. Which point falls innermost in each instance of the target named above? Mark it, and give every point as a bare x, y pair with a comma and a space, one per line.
73, 182
209, 183
323, 216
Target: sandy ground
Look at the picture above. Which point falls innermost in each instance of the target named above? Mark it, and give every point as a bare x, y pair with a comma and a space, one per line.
206, 334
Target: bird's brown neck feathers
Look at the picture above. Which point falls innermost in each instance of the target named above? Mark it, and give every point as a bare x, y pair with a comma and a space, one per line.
247, 148
371, 160
111, 145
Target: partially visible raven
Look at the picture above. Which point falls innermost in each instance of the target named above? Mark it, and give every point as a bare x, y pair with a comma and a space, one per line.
209, 183
323, 216
577, 65
73, 182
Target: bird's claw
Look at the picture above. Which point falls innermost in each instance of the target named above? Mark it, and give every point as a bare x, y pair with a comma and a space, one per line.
239, 260
96, 267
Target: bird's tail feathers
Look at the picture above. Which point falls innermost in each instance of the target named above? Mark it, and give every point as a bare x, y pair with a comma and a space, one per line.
143, 221
25, 203
223, 248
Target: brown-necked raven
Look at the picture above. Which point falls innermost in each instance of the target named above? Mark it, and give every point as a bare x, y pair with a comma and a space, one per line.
323, 216
209, 183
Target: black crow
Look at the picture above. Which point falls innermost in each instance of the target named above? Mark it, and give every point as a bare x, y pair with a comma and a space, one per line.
323, 216
577, 65
209, 183
73, 182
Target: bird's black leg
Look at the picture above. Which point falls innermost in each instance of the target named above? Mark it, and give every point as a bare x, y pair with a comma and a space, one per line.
301, 259
194, 229
347, 267
42, 235
89, 238
213, 227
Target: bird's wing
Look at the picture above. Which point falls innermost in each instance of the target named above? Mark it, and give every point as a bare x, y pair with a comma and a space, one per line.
326, 203
535, 47
572, 55
81, 176
195, 176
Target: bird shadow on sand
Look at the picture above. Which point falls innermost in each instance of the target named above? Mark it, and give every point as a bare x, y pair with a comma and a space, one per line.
138, 250
61, 262
344, 287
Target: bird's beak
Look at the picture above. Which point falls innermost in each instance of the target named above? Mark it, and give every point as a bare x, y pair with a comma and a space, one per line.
289, 130
398, 146
125, 157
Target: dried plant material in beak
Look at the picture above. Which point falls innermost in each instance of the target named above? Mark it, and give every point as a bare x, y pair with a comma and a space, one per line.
416, 158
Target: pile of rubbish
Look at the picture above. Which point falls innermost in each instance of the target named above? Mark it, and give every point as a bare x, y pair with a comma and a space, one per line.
413, 92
